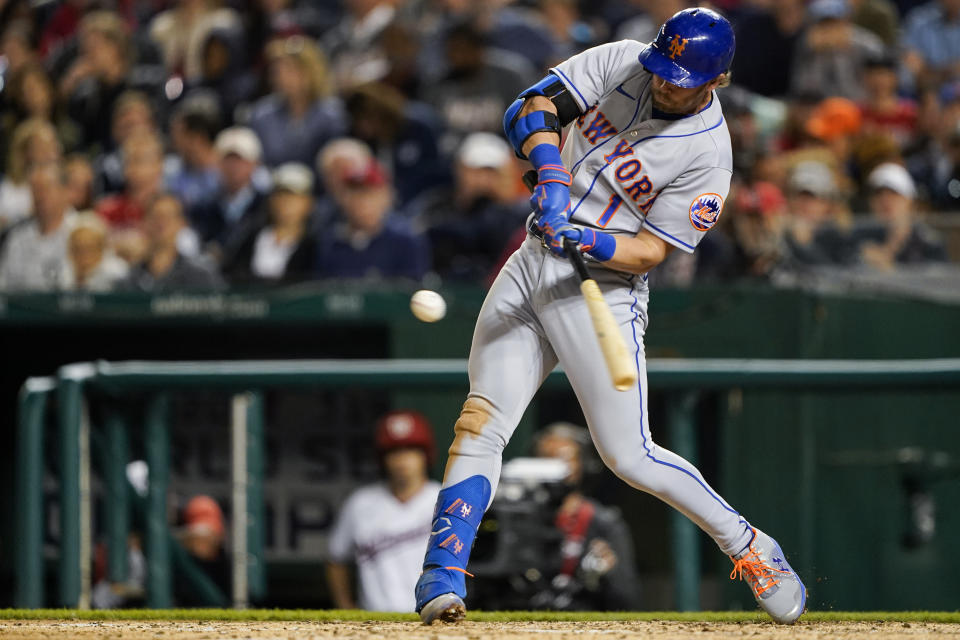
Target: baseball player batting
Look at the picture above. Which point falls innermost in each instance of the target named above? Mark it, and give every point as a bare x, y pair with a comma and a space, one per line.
644, 170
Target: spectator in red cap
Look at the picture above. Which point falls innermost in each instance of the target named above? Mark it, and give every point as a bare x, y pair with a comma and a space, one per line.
370, 240
383, 528
203, 527
202, 534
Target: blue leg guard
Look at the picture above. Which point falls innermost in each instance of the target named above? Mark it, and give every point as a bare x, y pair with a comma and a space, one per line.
456, 518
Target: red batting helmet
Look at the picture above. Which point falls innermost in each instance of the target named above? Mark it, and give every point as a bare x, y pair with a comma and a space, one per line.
203, 511
404, 428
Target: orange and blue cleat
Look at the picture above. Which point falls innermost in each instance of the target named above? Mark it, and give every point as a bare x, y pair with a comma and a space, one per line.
776, 586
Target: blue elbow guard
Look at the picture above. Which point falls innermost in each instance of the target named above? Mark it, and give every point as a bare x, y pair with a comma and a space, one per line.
518, 128
511, 115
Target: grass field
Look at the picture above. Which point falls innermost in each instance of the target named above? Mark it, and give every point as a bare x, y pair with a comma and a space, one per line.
262, 624
334, 615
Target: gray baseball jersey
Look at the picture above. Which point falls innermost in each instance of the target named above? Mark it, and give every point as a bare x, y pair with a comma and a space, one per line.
630, 172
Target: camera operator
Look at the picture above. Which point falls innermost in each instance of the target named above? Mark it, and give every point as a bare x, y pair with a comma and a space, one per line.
544, 544
597, 570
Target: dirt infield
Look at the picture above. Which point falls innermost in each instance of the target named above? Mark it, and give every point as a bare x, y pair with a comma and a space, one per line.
303, 630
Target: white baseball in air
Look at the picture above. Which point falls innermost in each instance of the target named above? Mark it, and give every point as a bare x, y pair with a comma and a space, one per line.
428, 306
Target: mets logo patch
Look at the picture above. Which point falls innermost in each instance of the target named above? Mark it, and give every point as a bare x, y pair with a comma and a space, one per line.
705, 210
677, 45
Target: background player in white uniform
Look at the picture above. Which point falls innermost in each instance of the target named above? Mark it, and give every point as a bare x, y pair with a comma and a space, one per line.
382, 527
645, 168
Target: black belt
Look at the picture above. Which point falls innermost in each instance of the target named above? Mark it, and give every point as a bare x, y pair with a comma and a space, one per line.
536, 231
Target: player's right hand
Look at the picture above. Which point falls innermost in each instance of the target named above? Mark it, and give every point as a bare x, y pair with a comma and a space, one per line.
555, 228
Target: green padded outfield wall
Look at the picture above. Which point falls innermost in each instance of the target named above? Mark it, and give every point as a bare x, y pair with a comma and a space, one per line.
886, 463
854, 524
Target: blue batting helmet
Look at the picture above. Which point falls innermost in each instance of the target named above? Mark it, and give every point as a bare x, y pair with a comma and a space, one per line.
693, 47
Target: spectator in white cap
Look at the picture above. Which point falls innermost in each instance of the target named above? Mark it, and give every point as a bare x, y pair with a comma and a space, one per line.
813, 235
337, 162
283, 246
470, 223
485, 166
894, 236
244, 184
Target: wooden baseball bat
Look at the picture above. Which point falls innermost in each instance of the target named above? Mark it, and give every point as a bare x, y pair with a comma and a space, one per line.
623, 371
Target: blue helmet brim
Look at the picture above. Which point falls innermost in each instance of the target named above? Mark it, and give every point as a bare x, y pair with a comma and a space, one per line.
655, 62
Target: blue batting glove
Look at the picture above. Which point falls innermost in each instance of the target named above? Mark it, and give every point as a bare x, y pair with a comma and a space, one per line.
555, 229
597, 244
551, 201
551, 196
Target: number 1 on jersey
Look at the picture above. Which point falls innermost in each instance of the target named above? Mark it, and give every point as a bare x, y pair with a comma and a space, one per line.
611, 209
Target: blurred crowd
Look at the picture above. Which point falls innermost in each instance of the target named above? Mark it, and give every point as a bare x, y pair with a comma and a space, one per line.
161, 145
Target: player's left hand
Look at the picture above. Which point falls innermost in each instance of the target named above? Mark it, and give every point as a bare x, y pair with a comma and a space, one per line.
551, 194
551, 201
